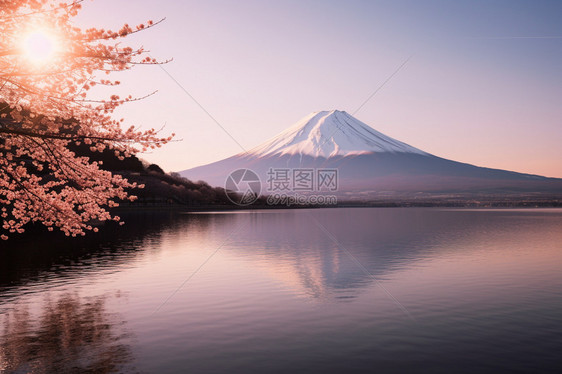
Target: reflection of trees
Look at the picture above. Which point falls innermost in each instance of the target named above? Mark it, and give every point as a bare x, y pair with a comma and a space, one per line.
31, 256
71, 335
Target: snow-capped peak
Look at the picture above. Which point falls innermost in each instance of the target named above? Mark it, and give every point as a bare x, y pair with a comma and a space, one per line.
328, 134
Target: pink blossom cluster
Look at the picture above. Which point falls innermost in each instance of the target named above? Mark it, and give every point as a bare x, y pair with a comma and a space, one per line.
45, 109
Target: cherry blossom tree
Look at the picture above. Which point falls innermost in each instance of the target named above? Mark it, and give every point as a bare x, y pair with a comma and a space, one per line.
47, 66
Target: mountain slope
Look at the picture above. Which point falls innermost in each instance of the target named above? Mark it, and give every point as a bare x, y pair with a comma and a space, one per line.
369, 163
329, 134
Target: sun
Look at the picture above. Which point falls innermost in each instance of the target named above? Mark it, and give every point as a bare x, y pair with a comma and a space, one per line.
39, 47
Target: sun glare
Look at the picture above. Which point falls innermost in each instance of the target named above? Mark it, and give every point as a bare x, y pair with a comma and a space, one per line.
39, 46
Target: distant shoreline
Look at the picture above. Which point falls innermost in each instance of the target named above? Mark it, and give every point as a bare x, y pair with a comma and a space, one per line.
498, 203
37, 232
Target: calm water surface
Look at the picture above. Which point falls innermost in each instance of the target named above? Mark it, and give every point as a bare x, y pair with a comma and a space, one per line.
316, 291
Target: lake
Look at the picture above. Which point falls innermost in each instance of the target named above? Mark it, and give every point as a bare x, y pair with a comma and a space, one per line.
345, 290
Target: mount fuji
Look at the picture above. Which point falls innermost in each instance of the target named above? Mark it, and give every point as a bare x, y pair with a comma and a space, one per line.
370, 164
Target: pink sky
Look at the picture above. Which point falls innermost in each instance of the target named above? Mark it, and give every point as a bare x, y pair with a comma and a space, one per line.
471, 92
